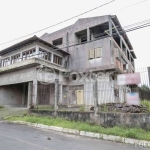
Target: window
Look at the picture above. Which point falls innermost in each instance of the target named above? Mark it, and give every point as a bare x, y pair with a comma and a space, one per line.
15, 58
57, 42
29, 54
95, 53
44, 54
83, 39
57, 60
4, 62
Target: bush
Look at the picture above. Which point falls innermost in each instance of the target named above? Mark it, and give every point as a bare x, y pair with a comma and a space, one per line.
146, 103
1, 106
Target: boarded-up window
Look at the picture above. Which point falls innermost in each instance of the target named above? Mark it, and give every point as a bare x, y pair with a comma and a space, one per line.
95, 53
98, 52
91, 53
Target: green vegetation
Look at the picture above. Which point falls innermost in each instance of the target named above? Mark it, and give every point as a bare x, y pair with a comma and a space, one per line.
146, 103
136, 133
82, 108
145, 88
44, 107
1, 106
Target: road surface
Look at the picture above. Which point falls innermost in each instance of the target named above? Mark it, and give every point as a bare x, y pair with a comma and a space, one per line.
22, 137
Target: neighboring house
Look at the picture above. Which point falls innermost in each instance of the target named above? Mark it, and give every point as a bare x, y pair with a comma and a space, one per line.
18, 69
96, 44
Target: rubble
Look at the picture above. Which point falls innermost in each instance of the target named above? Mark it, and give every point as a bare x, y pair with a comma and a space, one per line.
122, 107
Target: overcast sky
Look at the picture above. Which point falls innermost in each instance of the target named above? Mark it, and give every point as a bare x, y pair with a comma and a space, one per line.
22, 17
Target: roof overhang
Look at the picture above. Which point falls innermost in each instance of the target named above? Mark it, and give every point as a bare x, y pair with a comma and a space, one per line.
29, 41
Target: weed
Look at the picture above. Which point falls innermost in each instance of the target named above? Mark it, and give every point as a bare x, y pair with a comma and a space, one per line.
136, 133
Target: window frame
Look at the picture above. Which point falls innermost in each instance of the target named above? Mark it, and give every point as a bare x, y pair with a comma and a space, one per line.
44, 54
57, 60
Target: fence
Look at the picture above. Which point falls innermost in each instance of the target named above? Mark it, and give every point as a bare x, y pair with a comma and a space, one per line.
85, 95
75, 97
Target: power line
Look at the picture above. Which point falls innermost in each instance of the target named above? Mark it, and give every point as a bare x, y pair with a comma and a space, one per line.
73, 18
59, 22
129, 6
145, 21
136, 28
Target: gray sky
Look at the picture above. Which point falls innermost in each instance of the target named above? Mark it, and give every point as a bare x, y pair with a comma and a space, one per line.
21, 17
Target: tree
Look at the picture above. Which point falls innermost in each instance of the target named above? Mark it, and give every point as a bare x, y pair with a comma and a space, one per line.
145, 88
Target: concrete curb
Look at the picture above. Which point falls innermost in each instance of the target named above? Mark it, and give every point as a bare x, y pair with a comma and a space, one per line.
137, 143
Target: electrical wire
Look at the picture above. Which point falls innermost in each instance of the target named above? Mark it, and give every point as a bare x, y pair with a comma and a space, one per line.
71, 19
58, 23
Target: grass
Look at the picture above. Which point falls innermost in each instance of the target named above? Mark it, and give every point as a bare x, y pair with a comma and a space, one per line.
136, 133
1, 106
44, 107
146, 103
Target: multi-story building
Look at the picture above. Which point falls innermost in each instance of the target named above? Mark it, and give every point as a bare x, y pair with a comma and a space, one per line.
97, 44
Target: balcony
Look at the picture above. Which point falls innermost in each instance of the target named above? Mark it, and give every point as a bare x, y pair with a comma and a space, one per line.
120, 56
30, 61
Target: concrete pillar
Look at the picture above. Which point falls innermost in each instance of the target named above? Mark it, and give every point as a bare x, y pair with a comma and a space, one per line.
110, 26
126, 53
60, 97
23, 94
67, 41
121, 44
35, 86
20, 59
111, 43
92, 35
95, 94
36, 51
88, 34
29, 103
52, 55
56, 96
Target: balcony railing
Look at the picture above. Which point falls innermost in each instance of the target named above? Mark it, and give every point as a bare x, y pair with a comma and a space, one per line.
122, 53
7, 62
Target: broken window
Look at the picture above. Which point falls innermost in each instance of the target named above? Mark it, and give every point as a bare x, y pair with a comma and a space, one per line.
15, 58
81, 36
29, 54
83, 39
44, 54
99, 31
57, 60
4, 62
57, 42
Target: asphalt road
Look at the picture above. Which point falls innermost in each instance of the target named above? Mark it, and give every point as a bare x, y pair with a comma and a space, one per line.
22, 137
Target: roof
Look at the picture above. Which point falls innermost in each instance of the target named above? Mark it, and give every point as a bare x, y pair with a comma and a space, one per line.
28, 41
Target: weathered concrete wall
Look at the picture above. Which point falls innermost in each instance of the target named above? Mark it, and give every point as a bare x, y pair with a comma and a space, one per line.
104, 119
11, 95
18, 76
79, 53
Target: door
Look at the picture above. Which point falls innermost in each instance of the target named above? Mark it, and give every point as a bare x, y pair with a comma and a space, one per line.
79, 97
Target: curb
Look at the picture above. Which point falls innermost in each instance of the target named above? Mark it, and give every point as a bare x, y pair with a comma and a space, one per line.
137, 143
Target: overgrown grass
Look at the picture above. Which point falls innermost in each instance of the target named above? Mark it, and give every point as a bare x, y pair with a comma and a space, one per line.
146, 103
136, 133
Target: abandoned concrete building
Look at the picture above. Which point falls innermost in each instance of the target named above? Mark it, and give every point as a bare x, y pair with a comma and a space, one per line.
96, 44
